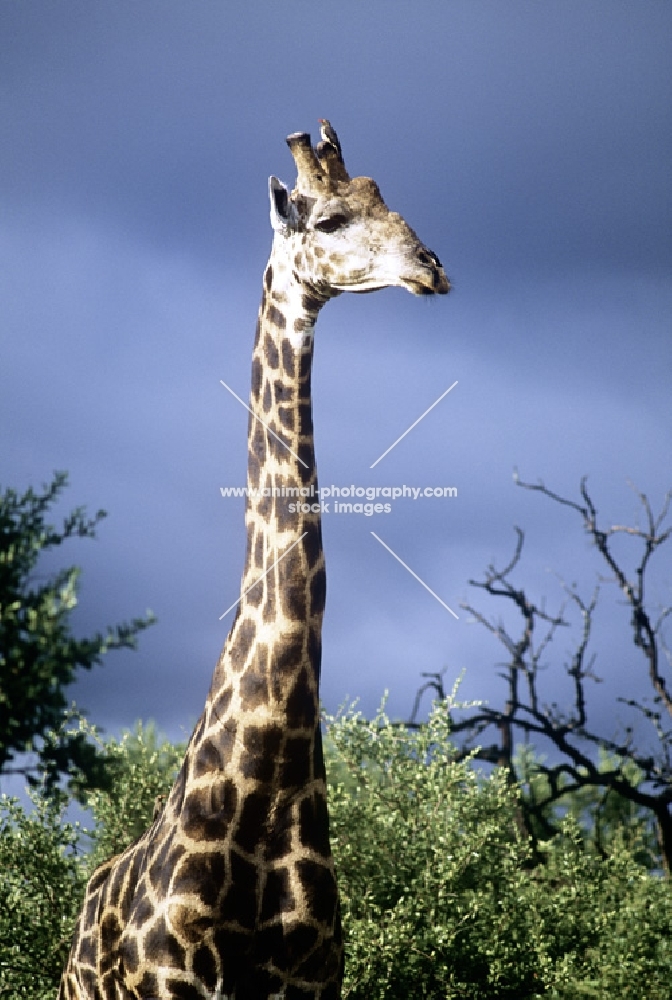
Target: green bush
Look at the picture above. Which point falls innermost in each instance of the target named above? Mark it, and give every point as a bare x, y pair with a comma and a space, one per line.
601, 928
440, 895
144, 765
45, 862
39, 655
426, 851
603, 815
42, 880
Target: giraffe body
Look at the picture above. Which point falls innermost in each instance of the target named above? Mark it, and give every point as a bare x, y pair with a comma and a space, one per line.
231, 893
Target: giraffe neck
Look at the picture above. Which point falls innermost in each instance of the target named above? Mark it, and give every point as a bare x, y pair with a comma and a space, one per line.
281, 470
273, 650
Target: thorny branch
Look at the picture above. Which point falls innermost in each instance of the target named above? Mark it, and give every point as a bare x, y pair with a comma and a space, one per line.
568, 729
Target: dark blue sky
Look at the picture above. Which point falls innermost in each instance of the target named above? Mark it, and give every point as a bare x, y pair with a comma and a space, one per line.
530, 147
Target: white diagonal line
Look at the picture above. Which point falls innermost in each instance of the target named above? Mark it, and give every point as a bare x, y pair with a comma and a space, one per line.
256, 417
279, 559
409, 429
415, 575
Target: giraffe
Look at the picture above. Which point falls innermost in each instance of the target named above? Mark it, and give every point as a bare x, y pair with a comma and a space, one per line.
231, 892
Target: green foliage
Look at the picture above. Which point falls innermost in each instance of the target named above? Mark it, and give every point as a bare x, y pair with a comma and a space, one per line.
425, 850
599, 927
603, 815
45, 861
144, 767
39, 656
440, 894
41, 883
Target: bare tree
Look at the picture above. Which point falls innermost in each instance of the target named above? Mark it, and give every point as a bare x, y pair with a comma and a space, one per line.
567, 730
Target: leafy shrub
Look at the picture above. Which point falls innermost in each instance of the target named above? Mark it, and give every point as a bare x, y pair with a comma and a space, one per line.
426, 851
601, 928
441, 896
39, 655
45, 862
144, 765
603, 815
42, 879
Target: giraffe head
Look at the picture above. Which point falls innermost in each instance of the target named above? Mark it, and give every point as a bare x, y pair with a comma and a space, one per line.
336, 234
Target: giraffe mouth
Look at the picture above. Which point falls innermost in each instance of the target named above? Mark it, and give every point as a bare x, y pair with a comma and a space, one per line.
417, 289
436, 284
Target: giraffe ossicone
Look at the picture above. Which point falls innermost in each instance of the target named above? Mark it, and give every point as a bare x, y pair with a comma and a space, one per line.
231, 893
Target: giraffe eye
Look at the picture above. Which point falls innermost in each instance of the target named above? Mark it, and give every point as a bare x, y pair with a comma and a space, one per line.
331, 223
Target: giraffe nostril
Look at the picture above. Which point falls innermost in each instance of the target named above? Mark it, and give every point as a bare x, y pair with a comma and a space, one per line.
428, 258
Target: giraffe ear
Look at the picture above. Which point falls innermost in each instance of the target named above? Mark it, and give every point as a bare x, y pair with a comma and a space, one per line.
283, 211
